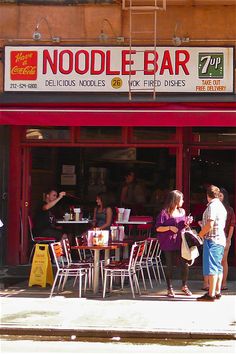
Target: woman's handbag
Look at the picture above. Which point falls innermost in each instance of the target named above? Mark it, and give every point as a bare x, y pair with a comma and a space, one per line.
189, 247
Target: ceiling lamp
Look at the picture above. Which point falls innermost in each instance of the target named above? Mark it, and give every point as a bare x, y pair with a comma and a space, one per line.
37, 36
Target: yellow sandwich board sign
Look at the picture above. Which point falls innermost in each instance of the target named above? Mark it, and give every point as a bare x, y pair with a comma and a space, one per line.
41, 269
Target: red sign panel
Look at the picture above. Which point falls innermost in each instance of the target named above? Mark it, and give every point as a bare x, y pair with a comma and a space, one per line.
24, 65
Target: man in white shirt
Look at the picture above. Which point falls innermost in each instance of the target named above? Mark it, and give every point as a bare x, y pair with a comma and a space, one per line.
213, 224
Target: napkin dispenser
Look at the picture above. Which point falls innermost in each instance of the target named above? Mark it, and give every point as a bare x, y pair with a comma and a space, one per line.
98, 237
126, 215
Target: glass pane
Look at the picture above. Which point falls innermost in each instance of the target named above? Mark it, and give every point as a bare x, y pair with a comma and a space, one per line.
42, 159
152, 133
101, 133
217, 134
47, 133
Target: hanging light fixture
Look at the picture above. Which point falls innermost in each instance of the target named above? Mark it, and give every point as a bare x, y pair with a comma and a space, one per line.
37, 36
177, 40
103, 36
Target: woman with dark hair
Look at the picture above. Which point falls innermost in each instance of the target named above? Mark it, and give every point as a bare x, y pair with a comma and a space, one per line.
169, 224
102, 216
229, 230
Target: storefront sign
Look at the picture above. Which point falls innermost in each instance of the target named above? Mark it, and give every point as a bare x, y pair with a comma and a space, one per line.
116, 69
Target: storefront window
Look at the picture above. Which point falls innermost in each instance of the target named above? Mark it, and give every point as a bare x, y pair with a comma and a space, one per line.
151, 134
47, 133
101, 133
214, 135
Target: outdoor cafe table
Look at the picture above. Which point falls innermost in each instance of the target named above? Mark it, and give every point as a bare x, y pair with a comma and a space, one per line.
136, 221
68, 222
97, 249
74, 226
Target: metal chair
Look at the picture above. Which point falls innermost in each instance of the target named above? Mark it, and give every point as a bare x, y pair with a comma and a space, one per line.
66, 270
125, 269
157, 263
37, 239
83, 255
148, 261
88, 257
86, 264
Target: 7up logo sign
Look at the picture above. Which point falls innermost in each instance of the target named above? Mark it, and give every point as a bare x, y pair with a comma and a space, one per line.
211, 65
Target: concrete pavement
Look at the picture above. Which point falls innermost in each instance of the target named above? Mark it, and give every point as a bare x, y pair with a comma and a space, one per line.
29, 311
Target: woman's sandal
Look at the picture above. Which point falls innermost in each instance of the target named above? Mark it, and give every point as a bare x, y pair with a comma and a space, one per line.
206, 288
170, 292
186, 290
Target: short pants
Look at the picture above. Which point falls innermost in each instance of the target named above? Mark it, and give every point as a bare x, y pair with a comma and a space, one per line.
212, 258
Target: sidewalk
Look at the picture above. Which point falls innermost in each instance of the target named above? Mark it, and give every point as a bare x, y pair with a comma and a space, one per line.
30, 311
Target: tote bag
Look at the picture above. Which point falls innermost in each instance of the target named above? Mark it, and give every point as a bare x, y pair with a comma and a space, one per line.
189, 253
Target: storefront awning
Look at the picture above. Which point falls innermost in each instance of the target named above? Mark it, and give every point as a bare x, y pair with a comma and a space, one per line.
134, 114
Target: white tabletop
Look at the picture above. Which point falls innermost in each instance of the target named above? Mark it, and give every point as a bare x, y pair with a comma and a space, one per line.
133, 222
86, 221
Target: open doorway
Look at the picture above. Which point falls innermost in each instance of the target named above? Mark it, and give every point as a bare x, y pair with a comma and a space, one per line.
212, 167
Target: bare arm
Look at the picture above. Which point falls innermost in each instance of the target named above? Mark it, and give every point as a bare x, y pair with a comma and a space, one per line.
174, 229
206, 228
108, 219
229, 236
49, 205
231, 231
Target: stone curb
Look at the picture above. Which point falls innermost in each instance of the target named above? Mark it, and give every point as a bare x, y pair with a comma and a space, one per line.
89, 332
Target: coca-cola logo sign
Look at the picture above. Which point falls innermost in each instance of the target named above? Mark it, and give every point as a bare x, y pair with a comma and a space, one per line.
24, 65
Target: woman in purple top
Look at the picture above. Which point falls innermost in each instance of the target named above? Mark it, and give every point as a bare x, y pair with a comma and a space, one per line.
169, 224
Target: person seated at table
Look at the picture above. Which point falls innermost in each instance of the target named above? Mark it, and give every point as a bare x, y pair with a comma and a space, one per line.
103, 214
45, 220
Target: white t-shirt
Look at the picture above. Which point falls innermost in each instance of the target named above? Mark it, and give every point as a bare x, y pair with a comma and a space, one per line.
1, 224
215, 211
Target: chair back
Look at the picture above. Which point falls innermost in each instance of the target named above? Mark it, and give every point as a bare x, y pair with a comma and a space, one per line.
157, 254
136, 254
152, 248
81, 253
67, 250
58, 254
